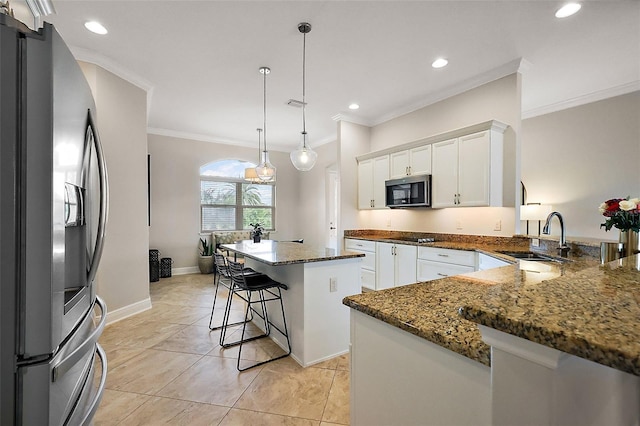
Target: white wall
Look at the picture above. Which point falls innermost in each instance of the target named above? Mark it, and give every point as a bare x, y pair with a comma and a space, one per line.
123, 275
175, 192
499, 100
579, 157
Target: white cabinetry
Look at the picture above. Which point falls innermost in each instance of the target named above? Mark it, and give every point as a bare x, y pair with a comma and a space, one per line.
434, 263
395, 265
489, 262
468, 170
414, 161
368, 266
372, 174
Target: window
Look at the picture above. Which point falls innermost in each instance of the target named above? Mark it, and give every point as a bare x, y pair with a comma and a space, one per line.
229, 203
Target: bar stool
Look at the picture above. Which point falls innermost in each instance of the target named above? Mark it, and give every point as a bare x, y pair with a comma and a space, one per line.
223, 276
268, 290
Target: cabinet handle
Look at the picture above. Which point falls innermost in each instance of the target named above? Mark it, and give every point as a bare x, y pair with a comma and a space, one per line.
443, 255
442, 275
409, 170
455, 199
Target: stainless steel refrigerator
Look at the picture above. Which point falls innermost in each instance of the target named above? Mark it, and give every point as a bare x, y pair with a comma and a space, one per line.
53, 210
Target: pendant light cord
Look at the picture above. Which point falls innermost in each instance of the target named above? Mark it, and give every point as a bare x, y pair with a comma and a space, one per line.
304, 67
264, 108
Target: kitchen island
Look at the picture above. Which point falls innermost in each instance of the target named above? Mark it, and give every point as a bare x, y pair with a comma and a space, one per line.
559, 350
317, 281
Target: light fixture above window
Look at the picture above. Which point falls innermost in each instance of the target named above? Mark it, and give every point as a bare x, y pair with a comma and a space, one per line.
265, 170
439, 63
304, 158
568, 10
95, 27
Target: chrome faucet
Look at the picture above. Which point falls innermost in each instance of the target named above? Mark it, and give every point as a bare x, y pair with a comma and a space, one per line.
563, 248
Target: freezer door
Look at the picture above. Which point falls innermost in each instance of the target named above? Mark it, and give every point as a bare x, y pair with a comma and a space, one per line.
66, 382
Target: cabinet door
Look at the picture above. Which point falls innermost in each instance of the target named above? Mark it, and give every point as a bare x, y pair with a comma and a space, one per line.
444, 183
420, 160
474, 168
399, 164
385, 266
365, 184
380, 175
405, 264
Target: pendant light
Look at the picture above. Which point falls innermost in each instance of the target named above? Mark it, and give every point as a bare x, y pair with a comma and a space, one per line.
250, 173
265, 170
304, 158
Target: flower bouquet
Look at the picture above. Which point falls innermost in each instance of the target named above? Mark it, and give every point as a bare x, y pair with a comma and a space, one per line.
622, 213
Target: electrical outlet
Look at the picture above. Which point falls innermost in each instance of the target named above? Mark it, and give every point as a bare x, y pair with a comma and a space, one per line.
498, 226
333, 284
535, 242
389, 222
458, 224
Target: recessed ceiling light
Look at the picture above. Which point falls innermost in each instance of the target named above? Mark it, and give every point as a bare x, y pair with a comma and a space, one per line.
354, 106
568, 10
95, 27
439, 63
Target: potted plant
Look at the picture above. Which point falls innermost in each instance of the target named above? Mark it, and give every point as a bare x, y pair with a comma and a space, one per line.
256, 234
205, 262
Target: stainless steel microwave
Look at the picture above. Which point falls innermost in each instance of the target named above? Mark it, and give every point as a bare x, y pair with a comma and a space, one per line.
410, 191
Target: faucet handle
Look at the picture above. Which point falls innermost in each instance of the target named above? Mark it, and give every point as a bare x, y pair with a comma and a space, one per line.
564, 250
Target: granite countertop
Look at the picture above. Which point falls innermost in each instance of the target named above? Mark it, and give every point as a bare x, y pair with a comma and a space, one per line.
578, 307
285, 253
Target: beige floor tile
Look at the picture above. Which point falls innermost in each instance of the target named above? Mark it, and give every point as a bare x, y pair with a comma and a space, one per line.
141, 335
191, 339
165, 312
150, 371
344, 362
117, 355
337, 408
296, 393
237, 417
159, 411
330, 364
211, 380
116, 405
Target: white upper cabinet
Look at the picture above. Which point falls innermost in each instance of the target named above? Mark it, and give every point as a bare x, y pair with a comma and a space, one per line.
414, 161
372, 174
468, 171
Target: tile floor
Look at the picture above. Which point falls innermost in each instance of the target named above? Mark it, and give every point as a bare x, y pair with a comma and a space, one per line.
166, 367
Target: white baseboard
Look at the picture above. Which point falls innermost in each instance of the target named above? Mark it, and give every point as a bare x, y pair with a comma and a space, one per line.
129, 310
185, 271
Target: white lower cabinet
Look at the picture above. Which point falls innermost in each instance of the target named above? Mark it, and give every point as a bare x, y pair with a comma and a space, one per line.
489, 262
434, 263
368, 266
395, 265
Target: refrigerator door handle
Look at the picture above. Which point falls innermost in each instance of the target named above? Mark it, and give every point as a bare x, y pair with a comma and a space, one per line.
71, 359
104, 200
86, 420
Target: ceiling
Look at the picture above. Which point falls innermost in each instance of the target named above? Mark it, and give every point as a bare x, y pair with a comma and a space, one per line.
199, 60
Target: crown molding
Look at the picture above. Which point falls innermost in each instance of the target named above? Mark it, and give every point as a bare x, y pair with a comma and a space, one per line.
611, 92
516, 66
115, 68
352, 119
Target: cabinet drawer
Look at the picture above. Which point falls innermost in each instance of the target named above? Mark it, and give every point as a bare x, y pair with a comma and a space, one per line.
359, 245
368, 279
428, 270
457, 257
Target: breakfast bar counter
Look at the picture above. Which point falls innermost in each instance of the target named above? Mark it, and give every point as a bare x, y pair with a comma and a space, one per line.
317, 281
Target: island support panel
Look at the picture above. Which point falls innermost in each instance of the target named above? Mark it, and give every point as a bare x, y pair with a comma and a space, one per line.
317, 320
398, 378
535, 384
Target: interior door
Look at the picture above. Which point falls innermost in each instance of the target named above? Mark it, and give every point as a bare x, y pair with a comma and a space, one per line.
332, 200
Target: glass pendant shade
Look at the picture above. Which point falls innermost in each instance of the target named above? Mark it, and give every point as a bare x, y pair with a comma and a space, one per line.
304, 158
265, 170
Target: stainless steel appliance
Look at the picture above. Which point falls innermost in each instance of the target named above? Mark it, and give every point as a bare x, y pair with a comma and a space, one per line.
53, 187
411, 191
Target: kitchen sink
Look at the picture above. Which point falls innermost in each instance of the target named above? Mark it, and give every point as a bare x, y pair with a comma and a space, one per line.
530, 255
